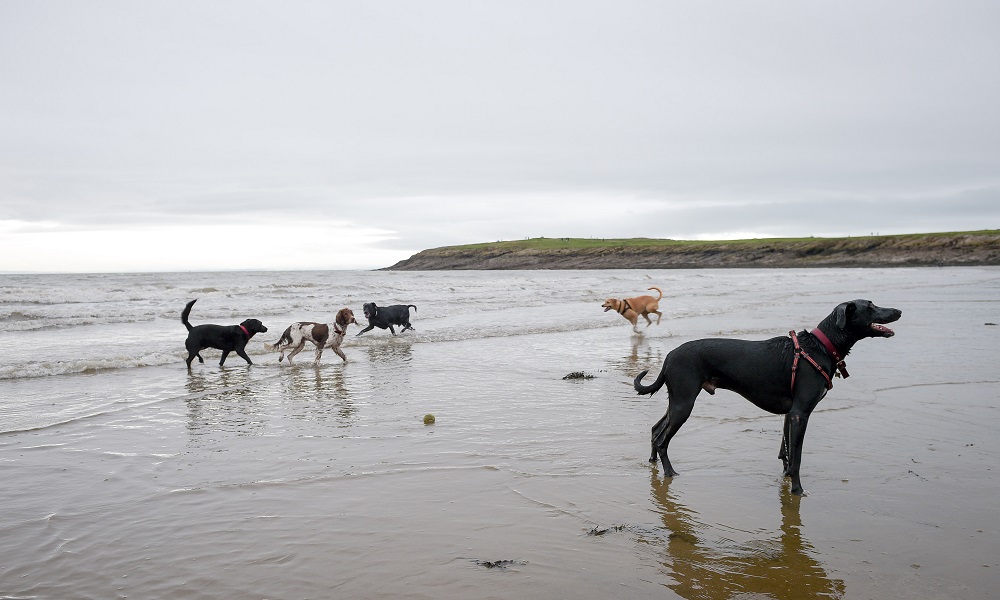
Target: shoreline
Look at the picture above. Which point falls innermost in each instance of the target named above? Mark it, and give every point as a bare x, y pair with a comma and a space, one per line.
972, 248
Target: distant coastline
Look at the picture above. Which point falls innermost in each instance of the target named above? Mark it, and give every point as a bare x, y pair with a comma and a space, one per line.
968, 248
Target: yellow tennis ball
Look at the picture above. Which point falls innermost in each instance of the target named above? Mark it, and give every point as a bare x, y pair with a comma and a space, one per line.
428, 419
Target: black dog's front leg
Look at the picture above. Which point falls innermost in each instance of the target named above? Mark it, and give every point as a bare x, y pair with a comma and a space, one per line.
243, 353
369, 328
391, 330
797, 422
222, 361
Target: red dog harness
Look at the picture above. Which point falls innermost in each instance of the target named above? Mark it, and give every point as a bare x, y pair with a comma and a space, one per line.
841, 368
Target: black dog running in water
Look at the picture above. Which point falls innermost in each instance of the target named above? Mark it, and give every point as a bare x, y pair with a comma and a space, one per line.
227, 338
768, 373
386, 316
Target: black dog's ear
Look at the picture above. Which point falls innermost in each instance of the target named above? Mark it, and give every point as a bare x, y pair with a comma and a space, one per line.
843, 313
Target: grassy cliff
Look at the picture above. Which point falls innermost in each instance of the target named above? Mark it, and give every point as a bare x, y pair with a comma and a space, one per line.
928, 249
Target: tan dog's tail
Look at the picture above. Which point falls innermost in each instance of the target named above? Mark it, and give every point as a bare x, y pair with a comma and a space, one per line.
658, 290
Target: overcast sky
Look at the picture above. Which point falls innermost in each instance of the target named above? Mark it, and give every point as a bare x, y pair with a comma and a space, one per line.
172, 135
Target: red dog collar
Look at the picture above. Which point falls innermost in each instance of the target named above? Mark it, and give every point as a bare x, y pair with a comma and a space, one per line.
249, 335
841, 366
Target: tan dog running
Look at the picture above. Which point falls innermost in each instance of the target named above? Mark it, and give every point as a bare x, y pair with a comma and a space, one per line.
633, 308
320, 334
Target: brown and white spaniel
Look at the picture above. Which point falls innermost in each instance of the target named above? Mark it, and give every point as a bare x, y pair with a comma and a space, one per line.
320, 334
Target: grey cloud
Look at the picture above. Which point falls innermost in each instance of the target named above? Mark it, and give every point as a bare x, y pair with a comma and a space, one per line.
129, 113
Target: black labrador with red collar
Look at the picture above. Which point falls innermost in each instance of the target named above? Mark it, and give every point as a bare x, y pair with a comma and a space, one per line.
228, 338
762, 372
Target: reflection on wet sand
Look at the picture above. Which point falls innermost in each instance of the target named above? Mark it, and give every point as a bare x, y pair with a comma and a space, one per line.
313, 382
784, 568
223, 400
391, 370
314, 386
393, 351
642, 355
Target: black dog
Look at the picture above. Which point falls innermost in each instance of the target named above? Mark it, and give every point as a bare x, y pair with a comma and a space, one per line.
387, 316
767, 373
227, 338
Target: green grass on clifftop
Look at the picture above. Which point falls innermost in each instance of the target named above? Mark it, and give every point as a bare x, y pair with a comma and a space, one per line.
917, 249
544, 243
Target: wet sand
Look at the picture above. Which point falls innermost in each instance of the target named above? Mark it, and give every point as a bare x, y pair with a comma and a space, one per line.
323, 482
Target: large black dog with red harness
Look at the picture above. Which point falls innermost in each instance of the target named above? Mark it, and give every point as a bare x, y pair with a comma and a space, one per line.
768, 373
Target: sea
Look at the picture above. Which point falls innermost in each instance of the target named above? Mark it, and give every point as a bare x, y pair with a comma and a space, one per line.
127, 475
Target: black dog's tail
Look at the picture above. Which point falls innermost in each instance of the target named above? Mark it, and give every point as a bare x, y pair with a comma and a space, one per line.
186, 312
411, 306
648, 389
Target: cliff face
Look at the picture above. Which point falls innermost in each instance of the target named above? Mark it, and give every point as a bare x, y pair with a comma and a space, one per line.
968, 248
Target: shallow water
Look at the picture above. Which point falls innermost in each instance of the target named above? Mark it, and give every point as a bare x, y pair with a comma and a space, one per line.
128, 476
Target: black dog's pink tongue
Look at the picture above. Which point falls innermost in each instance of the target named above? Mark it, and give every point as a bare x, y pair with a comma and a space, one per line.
882, 329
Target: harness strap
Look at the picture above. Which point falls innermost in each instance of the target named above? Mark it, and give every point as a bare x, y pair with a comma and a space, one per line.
625, 306
799, 352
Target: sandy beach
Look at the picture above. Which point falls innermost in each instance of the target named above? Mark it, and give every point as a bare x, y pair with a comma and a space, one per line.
144, 480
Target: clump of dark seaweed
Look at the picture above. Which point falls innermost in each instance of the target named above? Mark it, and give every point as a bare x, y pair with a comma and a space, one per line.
499, 564
579, 375
600, 531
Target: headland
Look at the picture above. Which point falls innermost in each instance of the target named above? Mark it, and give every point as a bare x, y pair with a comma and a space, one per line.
968, 248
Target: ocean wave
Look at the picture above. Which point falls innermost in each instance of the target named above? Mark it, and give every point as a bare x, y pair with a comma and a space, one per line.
85, 365
175, 354
17, 316
293, 285
169, 349
127, 321
22, 322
